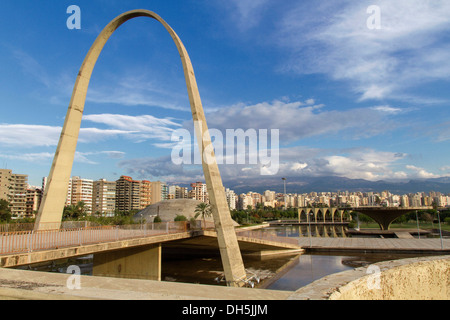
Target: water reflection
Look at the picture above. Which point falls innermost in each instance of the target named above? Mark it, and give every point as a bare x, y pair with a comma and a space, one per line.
317, 230
311, 267
308, 269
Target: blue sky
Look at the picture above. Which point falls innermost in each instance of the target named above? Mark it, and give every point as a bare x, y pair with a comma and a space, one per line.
349, 100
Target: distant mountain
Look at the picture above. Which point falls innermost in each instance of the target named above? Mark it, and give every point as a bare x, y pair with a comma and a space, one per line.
334, 184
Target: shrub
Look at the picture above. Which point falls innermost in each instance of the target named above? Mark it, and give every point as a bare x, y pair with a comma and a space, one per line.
180, 218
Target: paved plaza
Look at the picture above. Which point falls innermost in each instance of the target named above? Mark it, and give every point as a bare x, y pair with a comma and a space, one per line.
376, 244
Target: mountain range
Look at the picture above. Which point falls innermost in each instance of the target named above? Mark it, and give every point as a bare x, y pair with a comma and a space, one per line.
335, 184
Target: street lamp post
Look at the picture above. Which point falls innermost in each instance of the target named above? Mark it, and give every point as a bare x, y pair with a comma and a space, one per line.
285, 202
417, 219
440, 230
309, 215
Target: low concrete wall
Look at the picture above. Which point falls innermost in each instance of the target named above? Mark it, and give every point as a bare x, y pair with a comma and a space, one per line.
407, 279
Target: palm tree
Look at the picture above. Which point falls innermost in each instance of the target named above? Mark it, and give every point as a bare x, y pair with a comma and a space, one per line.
204, 210
75, 211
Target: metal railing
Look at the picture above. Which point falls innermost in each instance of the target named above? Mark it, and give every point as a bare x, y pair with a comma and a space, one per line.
30, 241
15, 227
266, 236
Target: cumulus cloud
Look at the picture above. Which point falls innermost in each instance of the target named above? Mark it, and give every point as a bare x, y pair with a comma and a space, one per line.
379, 63
29, 136
298, 120
360, 163
139, 91
143, 127
420, 173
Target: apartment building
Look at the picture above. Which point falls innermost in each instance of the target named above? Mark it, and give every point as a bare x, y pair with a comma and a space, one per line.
34, 197
160, 191
128, 194
177, 192
104, 197
199, 192
5, 184
80, 190
13, 188
146, 194
231, 198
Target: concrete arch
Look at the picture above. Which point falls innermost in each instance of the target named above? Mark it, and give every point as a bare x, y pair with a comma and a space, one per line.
320, 215
50, 212
303, 215
328, 215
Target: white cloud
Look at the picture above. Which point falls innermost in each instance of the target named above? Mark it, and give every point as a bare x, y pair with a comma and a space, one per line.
247, 13
29, 157
45, 157
334, 39
141, 128
139, 91
295, 163
421, 173
28, 136
297, 120
24, 135
83, 157
388, 109
360, 163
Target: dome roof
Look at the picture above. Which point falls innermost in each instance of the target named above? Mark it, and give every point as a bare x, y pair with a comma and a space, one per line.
169, 209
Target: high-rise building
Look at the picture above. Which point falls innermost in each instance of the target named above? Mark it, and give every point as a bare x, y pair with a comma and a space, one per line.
231, 198
5, 183
13, 188
104, 197
199, 192
128, 194
245, 200
177, 192
80, 190
146, 194
34, 197
158, 189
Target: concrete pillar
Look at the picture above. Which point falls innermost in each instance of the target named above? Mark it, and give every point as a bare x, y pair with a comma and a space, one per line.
131, 263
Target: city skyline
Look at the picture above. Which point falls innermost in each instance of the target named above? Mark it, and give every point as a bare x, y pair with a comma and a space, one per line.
350, 101
127, 194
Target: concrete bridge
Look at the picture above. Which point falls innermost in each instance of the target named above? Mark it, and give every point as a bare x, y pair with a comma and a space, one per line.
324, 215
132, 251
384, 216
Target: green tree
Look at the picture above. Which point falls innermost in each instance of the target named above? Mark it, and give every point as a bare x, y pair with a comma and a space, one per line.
5, 210
203, 210
75, 212
180, 218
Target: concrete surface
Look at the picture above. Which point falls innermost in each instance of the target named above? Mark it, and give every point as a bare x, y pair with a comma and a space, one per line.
31, 285
426, 278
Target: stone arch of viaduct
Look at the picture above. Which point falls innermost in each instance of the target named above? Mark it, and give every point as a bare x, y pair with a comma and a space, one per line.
320, 215
51, 209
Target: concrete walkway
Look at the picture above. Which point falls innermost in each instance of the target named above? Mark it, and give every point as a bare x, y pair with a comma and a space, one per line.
32, 285
376, 244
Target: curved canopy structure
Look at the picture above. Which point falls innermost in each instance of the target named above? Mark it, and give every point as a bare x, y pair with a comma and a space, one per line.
384, 216
52, 206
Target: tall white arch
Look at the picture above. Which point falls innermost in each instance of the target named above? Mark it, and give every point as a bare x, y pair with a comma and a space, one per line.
51, 209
